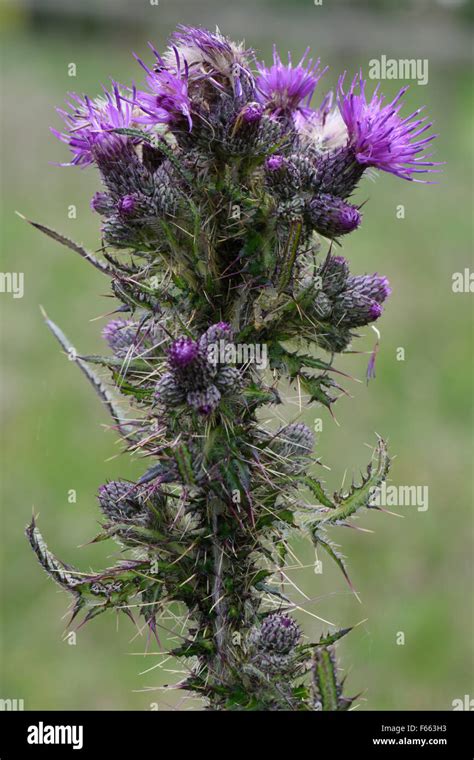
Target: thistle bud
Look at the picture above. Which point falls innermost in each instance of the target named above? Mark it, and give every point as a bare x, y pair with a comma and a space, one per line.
371, 285
331, 216
121, 336
168, 392
252, 113
228, 379
322, 305
274, 163
102, 204
118, 500
279, 633
354, 309
221, 331
334, 273
204, 402
294, 441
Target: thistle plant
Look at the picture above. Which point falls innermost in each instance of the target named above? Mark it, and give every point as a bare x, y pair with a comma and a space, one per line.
224, 197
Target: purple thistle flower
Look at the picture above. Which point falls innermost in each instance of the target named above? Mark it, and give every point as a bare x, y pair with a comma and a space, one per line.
252, 113
376, 310
127, 204
287, 90
168, 99
203, 39
91, 123
332, 217
274, 163
210, 54
182, 353
379, 136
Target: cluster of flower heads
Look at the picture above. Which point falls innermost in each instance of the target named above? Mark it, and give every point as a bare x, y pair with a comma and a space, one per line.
207, 98
372, 132
349, 300
210, 129
198, 374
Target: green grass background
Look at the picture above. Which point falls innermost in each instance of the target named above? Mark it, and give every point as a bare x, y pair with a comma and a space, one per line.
414, 574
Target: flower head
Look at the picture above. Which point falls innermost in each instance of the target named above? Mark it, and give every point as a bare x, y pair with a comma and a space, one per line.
294, 441
332, 217
122, 336
378, 134
279, 633
323, 127
211, 54
182, 353
372, 285
119, 501
211, 339
102, 203
206, 401
168, 98
127, 204
252, 113
334, 274
287, 89
275, 162
90, 124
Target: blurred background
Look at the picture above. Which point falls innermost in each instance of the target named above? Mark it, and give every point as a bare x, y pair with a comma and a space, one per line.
413, 573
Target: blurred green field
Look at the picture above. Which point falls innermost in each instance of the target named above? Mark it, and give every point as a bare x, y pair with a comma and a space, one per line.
414, 574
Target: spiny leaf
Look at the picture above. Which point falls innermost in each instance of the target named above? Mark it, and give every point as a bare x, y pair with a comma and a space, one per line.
331, 638
256, 396
360, 495
113, 362
97, 263
293, 362
326, 686
334, 554
125, 429
317, 387
128, 389
317, 489
65, 575
272, 590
